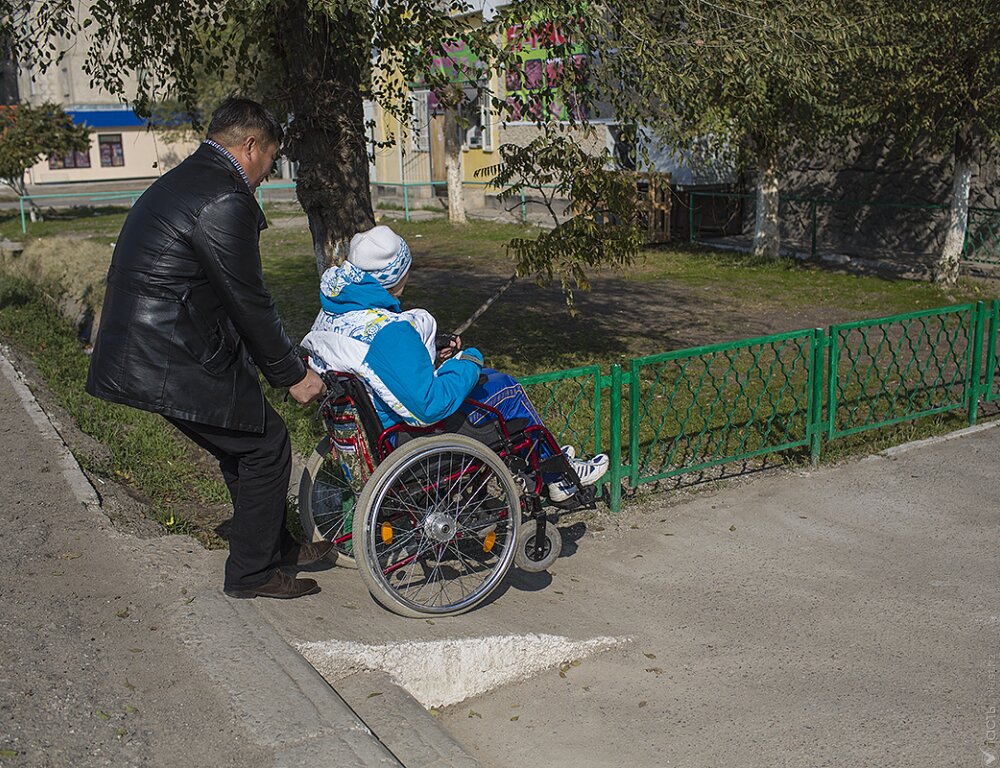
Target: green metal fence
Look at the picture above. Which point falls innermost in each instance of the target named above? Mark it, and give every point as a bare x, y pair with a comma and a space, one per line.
990, 386
698, 408
982, 238
686, 411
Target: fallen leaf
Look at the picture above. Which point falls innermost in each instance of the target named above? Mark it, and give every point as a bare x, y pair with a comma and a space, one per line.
135, 650
657, 670
473, 713
102, 715
732, 527
58, 573
429, 621
130, 710
642, 704
129, 685
373, 694
514, 718
556, 592
649, 655
9, 753
576, 662
120, 733
597, 528
69, 556
122, 614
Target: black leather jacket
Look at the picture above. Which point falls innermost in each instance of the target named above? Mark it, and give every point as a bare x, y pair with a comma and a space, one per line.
186, 308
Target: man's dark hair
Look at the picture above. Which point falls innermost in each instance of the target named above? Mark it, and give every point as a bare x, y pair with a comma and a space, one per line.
235, 119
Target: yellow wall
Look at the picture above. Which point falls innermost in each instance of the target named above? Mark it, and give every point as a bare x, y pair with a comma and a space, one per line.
146, 155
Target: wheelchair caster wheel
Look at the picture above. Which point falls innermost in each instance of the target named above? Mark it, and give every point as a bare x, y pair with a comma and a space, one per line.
525, 556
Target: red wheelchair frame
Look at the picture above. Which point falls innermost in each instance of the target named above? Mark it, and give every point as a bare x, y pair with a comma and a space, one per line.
355, 435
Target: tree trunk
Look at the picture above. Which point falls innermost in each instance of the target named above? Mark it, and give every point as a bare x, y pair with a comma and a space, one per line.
324, 62
21, 190
453, 167
950, 260
766, 237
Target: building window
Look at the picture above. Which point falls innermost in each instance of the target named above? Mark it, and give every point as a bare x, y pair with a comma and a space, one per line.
421, 121
112, 154
69, 160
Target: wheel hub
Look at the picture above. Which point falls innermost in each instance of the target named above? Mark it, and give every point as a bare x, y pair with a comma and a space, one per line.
440, 527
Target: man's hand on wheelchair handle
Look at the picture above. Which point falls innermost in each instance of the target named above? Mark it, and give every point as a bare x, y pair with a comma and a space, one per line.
310, 388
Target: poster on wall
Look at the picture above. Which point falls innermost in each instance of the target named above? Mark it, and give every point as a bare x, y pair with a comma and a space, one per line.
549, 78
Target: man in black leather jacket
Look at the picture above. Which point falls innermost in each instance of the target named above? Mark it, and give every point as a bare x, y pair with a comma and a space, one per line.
187, 322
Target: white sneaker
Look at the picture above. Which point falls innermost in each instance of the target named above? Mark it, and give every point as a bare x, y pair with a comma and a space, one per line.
568, 451
589, 472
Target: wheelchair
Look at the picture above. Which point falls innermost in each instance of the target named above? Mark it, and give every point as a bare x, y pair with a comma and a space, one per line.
432, 517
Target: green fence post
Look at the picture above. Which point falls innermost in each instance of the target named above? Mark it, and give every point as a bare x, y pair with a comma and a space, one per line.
812, 216
616, 438
406, 202
815, 430
24, 224
691, 217
978, 318
991, 349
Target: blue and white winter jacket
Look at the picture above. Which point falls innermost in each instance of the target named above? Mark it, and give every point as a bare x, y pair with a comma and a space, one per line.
361, 330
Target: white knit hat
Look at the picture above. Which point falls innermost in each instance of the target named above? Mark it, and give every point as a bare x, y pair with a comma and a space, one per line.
382, 253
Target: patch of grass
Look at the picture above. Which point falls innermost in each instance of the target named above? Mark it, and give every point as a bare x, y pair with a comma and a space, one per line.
143, 451
741, 278
102, 222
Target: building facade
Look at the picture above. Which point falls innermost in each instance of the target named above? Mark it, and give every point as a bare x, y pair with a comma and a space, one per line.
122, 145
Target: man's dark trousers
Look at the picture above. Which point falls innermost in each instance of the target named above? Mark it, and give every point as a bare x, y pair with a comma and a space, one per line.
256, 468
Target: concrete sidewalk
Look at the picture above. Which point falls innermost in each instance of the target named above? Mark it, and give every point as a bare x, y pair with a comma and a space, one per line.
844, 616
121, 651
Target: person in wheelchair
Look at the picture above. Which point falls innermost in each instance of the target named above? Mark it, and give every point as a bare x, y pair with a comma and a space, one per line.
413, 376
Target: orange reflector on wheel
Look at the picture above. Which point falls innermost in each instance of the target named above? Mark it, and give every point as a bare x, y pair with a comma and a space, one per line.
386, 533
489, 541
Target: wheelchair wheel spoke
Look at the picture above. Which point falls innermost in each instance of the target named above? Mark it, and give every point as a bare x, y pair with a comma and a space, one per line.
439, 517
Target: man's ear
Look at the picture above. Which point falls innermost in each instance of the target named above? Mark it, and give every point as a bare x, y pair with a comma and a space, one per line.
250, 144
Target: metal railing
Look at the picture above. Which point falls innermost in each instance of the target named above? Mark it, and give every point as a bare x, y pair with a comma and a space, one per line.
24, 201
982, 238
692, 409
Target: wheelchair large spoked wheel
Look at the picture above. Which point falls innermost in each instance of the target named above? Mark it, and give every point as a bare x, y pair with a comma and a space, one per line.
328, 493
436, 526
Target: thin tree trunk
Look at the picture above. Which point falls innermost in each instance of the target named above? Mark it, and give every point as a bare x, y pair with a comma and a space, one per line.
326, 131
766, 237
481, 309
453, 167
950, 260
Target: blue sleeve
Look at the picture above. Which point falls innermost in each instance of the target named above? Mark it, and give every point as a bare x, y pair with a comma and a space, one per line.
399, 358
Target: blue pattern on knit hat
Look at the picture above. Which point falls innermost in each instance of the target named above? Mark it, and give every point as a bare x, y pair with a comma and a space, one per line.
398, 267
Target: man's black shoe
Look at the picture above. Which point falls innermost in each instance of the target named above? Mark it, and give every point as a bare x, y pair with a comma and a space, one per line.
306, 554
281, 586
